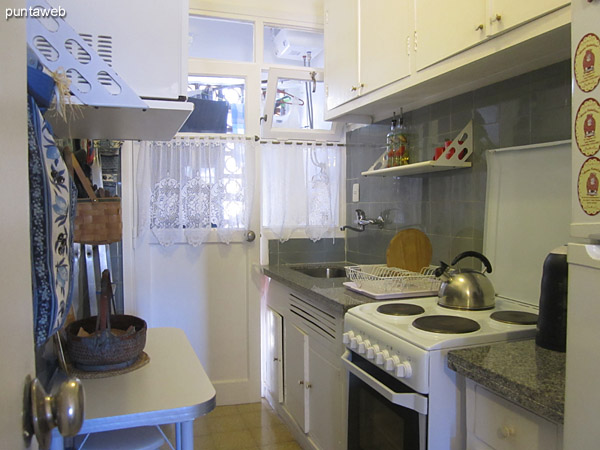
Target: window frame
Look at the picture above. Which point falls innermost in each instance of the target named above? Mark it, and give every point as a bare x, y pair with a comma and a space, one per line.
270, 132
252, 72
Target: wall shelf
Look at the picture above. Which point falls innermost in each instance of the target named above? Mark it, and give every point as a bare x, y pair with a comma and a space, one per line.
414, 169
459, 150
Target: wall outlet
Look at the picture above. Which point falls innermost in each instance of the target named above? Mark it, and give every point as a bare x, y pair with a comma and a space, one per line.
356, 192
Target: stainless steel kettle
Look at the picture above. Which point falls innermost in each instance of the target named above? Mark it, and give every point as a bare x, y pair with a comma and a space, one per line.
465, 288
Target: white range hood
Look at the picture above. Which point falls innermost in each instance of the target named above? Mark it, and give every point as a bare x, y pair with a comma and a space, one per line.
126, 61
158, 122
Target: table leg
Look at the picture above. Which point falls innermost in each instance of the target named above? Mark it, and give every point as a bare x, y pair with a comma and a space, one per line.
184, 435
178, 436
58, 442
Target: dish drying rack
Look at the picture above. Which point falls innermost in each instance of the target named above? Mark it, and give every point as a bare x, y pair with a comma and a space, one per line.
381, 279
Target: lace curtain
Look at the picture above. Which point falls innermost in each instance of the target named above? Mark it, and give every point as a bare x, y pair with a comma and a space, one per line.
186, 187
301, 189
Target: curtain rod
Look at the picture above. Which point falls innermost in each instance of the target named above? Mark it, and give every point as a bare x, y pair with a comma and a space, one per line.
213, 137
317, 143
224, 137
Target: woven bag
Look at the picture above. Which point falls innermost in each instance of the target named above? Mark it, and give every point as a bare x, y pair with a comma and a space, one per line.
98, 220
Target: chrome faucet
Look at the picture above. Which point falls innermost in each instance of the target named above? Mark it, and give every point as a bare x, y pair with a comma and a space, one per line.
361, 219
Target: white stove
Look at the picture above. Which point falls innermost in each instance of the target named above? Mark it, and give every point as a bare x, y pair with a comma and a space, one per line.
384, 343
401, 326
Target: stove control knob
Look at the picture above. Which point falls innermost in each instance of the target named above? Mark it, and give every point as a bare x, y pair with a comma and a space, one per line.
347, 336
355, 341
381, 357
391, 363
372, 351
404, 370
364, 346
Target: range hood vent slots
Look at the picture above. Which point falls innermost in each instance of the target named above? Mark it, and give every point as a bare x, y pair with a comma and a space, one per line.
107, 108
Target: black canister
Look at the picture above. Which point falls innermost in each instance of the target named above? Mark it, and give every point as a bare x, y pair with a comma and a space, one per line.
552, 320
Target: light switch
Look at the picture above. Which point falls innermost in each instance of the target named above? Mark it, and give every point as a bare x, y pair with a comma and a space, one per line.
356, 192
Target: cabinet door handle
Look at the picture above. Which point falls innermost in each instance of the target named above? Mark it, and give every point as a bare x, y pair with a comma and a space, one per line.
415, 39
507, 431
356, 88
407, 45
308, 385
301, 382
496, 18
479, 27
275, 359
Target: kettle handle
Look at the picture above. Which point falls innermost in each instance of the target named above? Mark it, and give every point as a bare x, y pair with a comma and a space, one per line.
441, 269
479, 256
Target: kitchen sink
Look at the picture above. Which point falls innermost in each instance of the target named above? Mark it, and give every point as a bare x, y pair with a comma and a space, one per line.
322, 272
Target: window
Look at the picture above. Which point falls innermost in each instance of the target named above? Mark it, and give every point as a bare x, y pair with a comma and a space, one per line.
218, 105
282, 83
295, 105
189, 186
301, 189
221, 39
293, 47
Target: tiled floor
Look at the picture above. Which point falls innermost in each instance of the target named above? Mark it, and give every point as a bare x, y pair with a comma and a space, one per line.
249, 426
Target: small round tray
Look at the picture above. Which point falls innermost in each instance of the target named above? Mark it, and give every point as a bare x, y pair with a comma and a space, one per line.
142, 360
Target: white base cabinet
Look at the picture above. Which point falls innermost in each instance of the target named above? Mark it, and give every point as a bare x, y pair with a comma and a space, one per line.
274, 355
313, 382
296, 374
494, 423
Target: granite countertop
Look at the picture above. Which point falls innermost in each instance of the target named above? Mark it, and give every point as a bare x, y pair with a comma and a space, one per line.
520, 371
329, 294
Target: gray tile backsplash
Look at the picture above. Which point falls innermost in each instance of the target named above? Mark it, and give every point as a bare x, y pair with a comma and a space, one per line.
306, 251
449, 206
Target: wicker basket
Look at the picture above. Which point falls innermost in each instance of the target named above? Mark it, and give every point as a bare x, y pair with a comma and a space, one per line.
97, 220
103, 350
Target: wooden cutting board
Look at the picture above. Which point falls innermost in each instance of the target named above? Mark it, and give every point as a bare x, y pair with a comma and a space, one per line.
409, 249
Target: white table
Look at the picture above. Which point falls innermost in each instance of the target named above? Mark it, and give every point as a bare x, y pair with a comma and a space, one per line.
172, 388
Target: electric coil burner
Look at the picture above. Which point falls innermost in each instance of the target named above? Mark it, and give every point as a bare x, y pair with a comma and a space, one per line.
446, 324
515, 317
400, 309
397, 351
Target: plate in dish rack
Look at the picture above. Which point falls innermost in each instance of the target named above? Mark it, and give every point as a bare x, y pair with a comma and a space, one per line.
389, 295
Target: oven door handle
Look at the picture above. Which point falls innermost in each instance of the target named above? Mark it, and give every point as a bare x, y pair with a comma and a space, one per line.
415, 402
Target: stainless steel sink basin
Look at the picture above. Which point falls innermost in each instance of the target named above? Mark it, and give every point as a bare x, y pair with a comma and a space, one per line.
322, 272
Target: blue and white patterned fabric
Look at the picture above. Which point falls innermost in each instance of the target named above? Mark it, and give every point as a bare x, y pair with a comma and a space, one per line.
53, 197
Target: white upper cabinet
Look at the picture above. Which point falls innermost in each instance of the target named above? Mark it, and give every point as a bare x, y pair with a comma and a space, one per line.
385, 32
446, 28
341, 54
506, 14
367, 46
380, 55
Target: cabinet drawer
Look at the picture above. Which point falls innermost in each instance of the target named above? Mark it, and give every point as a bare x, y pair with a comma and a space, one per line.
503, 425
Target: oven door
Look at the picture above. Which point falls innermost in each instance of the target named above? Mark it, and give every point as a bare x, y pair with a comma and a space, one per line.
383, 413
